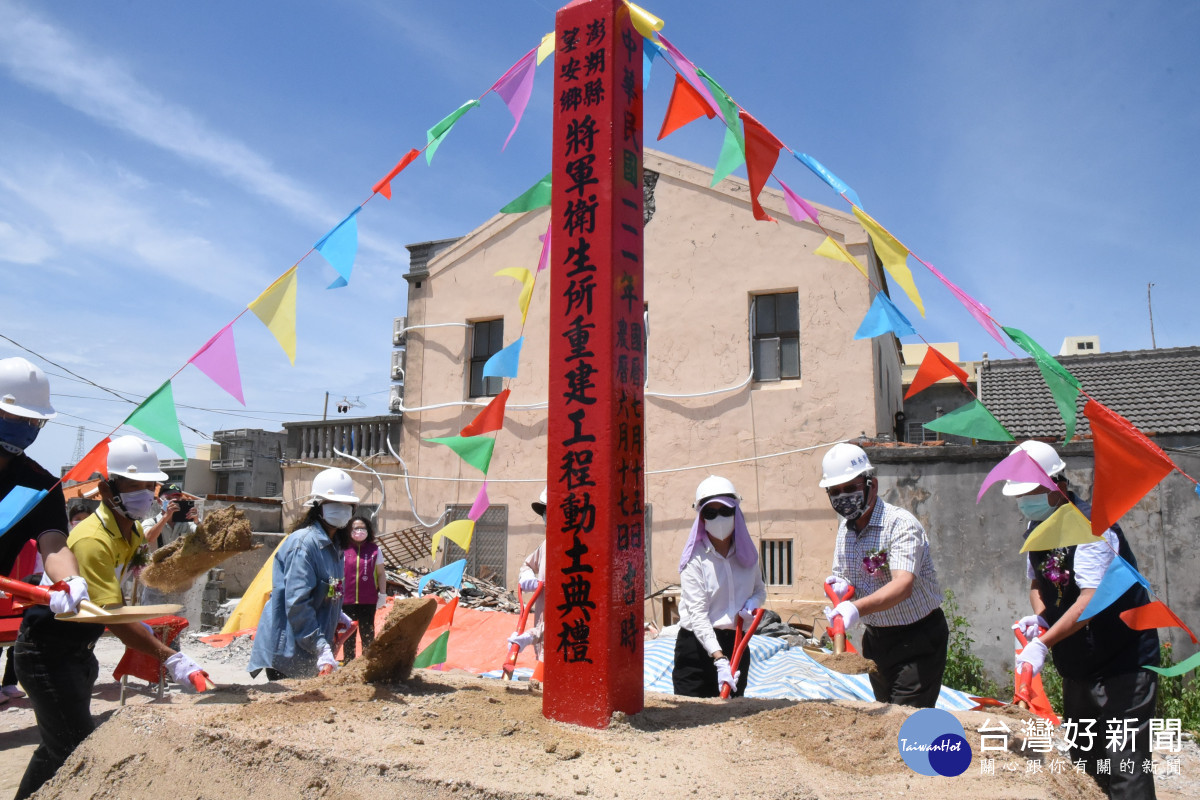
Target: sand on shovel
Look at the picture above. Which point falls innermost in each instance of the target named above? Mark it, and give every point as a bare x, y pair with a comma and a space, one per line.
845, 663
390, 657
220, 535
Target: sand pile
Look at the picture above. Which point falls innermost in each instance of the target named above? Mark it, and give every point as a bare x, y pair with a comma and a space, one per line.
390, 657
220, 535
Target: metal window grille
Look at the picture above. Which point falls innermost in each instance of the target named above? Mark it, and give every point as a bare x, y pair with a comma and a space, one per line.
775, 328
272, 488
917, 433
487, 339
489, 544
776, 558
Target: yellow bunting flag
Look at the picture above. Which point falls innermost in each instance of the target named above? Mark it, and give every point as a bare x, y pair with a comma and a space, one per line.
526, 278
832, 248
459, 532
276, 307
645, 22
1065, 527
893, 255
546, 47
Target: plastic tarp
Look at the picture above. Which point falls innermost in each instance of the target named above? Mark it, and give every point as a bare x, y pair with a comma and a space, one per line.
479, 641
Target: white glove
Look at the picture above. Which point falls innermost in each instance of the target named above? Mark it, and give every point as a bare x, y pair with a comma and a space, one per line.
326, 663
1032, 626
382, 601
846, 610
747, 612
724, 676
1033, 654
181, 668
521, 640
840, 585
344, 620
528, 584
66, 601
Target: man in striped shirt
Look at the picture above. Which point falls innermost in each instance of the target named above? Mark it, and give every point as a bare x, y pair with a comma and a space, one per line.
882, 551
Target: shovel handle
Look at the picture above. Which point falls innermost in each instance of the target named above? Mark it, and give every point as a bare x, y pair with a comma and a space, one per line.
510, 663
39, 595
838, 628
1023, 688
740, 642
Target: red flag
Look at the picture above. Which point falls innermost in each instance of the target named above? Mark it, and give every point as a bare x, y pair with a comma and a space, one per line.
685, 105
490, 419
934, 367
762, 151
384, 187
1128, 465
95, 461
443, 617
1154, 615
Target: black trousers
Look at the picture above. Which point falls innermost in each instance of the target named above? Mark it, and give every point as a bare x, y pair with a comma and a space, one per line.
1131, 695
364, 615
58, 678
911, 660
695, 673
10, 671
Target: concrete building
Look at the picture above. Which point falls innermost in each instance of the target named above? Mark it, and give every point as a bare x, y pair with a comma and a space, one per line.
249, 462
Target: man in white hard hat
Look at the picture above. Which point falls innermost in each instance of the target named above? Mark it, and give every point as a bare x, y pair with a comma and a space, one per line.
1102, 660
533, 574
883, 552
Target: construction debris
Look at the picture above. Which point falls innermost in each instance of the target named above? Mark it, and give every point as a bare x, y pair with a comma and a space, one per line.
476, 593
220, 535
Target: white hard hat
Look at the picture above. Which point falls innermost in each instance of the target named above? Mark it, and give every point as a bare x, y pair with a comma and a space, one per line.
24, 390
539, 507
1045, 456
333, 486
713, 486
843, 463
130, 457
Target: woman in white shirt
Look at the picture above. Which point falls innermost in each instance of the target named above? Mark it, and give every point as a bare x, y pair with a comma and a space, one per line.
719, 580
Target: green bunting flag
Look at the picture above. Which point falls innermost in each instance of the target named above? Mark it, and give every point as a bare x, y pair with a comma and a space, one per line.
972, 421
1063, 386
1181, 668
733, 147
536, 196
475, 450
435, 653
157, 419
437, 133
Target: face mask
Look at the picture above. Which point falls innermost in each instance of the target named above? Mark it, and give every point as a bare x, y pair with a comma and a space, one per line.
359, 534
337, 514
136, 505
720, 528
850, 506
16, 435
1035, 507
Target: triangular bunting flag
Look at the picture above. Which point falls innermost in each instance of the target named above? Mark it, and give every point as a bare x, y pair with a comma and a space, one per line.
934, 367
832, 248
437, 134
276, 307
686, 68
536, 196
822, 172
643, 21
459, 532
733, 146
340, 246
503, 363
95, 461
882, 317
685, 105
1017, 466
526, 279
981, 313
1063, 386
481, 504
650, 51
972, 421
544, 258
475, 450
449, 575
762, 152
546, 47
218, 360
384, 187
1127, 465
515, 87
797, 205
1117, 580
893, 255
156, 417
16, 504
1182, 668
1065, 527
435, 653
488, 420
1154, 614
444, 616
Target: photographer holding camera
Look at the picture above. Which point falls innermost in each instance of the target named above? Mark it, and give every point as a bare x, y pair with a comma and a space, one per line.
177, 518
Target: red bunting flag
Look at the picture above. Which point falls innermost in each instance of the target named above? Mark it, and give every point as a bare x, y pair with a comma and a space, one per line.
490, 419
1154, 615
1128, 465
384, 187
762, 151
934, 367
95, 461
686, 105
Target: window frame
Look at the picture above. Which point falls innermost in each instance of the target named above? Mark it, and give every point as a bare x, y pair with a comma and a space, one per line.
776, 336
781, 564
492, 385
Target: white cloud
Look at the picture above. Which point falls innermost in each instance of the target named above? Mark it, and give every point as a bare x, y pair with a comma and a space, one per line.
19, 245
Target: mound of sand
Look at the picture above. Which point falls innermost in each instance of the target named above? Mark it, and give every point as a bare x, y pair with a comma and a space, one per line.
220, 535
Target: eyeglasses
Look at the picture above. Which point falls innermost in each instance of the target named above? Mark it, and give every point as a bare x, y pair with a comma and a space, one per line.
34, 423
715, 510
837, 491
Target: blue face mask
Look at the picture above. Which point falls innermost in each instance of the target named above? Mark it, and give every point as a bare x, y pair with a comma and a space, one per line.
16, 435
1035, 507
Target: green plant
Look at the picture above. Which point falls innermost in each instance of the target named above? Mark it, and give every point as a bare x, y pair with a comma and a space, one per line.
964, 669
1179, 697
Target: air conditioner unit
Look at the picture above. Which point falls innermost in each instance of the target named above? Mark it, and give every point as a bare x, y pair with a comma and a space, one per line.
398, 326
398, 361
396, 403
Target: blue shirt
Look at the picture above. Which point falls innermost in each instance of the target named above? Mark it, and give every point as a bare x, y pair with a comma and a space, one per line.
305, 604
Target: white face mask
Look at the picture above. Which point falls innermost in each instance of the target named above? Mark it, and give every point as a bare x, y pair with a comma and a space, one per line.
359, 534
337, 514
720, 528
136, 505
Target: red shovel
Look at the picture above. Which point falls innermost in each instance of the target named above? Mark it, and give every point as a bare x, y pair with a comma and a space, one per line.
740, 642
839, 624
88, 611
510, 663
1028, 692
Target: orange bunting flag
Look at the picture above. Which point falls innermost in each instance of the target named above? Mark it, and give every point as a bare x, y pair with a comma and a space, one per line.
934, 367
1128, 465
490, 419
444, 616
1154, 615
762, 151
384, 187
685, 105
95, 461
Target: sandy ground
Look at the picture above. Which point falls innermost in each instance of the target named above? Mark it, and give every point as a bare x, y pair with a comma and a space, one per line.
454, 735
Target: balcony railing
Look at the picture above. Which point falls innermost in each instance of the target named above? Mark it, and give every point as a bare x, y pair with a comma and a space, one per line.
231, 464
360, 437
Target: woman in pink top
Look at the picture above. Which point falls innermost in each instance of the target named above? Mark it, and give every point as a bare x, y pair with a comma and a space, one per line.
366, 583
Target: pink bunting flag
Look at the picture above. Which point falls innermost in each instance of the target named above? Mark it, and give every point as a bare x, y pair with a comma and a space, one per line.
1018, 467
797, 205
544, 258
981, 313
218, 360
515, 87
480, 505
688, 70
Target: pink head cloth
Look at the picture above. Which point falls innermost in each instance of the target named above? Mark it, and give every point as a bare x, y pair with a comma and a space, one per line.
743, 547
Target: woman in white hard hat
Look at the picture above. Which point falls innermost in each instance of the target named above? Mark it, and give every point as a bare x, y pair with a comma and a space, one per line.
298, 625
719, 581
533, 573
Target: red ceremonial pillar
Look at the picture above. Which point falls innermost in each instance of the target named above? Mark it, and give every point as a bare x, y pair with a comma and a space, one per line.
594, 545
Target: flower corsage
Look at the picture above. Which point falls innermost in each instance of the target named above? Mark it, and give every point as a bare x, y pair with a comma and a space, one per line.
875, 560
335, 588
1053, 570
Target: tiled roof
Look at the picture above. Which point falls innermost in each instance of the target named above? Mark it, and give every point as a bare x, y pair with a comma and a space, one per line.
1156, 390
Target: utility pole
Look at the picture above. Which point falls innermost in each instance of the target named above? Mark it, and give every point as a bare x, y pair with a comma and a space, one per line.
325, 413
1153, 344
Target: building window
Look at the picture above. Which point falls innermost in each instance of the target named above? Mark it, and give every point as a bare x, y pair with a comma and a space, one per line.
239, 488
487, 340
489, 544
918, 434
775, 333
272, 488
776, 558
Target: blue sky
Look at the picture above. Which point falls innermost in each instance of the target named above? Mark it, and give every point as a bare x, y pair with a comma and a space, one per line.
160, 164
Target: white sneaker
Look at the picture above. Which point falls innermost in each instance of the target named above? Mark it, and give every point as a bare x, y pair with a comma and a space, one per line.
12, 691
